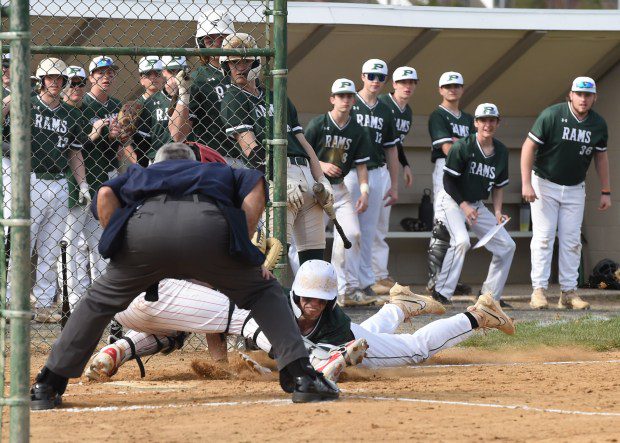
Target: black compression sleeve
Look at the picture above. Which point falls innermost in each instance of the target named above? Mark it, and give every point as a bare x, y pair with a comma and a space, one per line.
451, 186
402, 158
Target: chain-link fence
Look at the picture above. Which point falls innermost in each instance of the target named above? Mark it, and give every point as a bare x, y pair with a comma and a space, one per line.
113, 81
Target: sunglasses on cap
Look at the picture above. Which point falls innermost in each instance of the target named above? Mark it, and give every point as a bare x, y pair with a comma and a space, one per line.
378, 77
77, 83
584, 84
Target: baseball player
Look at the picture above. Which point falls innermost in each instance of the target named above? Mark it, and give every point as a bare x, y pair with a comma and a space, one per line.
475, 166
244, 115
404, 82
152, 130
559, 148
378, 121
185, 306
57, 141
342, 144
172, 64
446, 125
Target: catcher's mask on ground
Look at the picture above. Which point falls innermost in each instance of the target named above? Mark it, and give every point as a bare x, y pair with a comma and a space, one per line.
315, 279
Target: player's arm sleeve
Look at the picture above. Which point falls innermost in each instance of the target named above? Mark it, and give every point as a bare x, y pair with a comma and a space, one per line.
235, 114
362, 148
293, 120
439, 131
540, 129
312, 133
502, 179
390, 137
456, 161
402, 158
78, 134
451, 186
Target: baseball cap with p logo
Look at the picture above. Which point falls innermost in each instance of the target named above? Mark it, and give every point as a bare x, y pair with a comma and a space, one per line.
343, 86
450, 78
405, 73
486, 110
75, 71
150, 63
375, 66
584, 84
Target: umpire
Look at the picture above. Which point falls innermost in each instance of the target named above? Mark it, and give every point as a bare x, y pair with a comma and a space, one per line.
187, 220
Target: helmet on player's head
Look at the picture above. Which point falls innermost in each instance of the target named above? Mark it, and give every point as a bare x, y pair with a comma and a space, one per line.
213, 22
240, 41
314, 279
51, 66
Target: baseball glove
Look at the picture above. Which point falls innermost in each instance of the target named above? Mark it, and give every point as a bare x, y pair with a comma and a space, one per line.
128, 118
271, 247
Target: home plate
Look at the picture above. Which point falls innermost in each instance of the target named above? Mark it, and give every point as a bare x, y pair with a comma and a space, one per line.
145, 385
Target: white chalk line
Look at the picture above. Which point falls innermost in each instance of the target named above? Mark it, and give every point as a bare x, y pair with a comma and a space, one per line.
473, 365
489, 405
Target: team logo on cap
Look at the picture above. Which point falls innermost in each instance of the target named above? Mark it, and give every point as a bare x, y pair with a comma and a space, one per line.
345, 84
104, 62
378, 66
453, 77
488, 110
74, 70
585, 84
407, 72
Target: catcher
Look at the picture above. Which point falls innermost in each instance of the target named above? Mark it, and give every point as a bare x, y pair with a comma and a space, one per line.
334, 340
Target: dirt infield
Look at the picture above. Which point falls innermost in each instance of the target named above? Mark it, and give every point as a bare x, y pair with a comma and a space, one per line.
463, 395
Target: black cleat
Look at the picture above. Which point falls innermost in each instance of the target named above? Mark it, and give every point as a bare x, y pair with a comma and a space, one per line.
462, 289
505, 305
441, 299
44, 396
310, 390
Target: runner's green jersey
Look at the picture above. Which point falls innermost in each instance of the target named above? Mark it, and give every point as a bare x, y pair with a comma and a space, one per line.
54, 132
403, 117
378, 122
443, 125
100, 157
344, 146
242, 112
153, 130
566, 145
476, 172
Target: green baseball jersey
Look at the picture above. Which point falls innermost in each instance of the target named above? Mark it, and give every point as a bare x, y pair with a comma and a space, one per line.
100, 157
243, 112
476, 172
344, 146
206, 73
153, 130
443, 125
54, 131
378, 122
205, 104
566, 145
403, 117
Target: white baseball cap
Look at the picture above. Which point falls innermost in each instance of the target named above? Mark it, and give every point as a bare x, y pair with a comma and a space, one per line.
486, 110
405, 73
6, 58
343, 86
174, 62
316, 279
101, 62
450, 78
75, 71
375, 66
584, 84
149, 63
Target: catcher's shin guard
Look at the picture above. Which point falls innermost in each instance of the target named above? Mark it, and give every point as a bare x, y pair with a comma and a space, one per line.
437, 249
252, 332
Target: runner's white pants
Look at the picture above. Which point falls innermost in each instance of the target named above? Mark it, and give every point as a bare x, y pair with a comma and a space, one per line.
438, 179
368, 222
502, 246
187, 307
380, 249
558, 208
82, 234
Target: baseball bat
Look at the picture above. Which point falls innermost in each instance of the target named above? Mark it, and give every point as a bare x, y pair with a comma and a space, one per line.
317, 189
66, 308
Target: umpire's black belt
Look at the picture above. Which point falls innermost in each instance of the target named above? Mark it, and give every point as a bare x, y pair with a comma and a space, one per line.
299, 161
183, 198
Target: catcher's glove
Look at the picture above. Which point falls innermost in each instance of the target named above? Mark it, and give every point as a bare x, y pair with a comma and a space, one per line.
128, 119
271, 247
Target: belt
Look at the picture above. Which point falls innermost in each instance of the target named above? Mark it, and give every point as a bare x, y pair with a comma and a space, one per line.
299, 161
49, 175
183, 198
374, 167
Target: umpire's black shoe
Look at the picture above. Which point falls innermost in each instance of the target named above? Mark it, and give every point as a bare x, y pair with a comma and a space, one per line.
505, 305
462, 289
309, 390
441, 299
46, 393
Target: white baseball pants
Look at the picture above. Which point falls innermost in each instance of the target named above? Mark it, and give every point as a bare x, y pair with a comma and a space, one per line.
502, 246
82, 234
381, 250
368, 222
438, 179
558, 208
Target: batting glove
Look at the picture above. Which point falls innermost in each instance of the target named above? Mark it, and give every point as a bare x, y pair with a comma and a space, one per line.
185, 84
326, 197
84, 197
294, 196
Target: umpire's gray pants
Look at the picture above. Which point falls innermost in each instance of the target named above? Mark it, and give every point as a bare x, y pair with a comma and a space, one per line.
176, 239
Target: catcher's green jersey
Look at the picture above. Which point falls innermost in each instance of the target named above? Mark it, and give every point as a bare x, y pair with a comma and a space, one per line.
378, 122
565, 144
243, 112
477, 173
344, 146
100, 157
205, 104
443, 125
54, 131
402, 117
153, 130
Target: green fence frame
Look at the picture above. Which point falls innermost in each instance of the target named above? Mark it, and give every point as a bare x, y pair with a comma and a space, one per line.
19, 36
